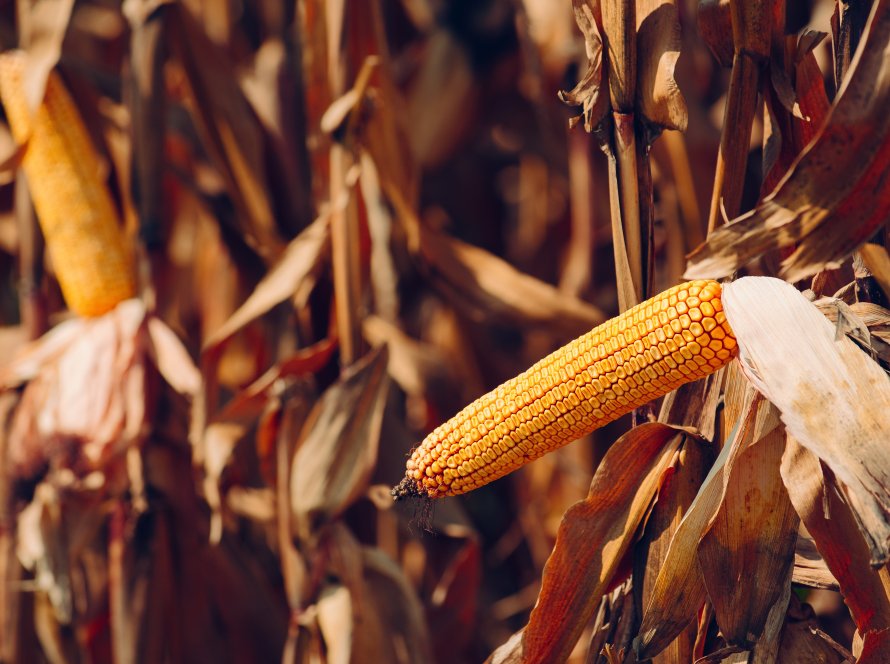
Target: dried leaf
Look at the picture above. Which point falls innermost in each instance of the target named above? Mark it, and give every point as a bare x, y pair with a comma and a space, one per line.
587, 93
832, 396
834, 530
299, 259
679, 589
675, 495
834, 197
658, 47
338, 445
231, 132
335, 622
172, 359
403, 631
487, 286
593, 538
751, 537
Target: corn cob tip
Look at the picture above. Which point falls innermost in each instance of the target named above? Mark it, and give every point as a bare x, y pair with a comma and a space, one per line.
407, 488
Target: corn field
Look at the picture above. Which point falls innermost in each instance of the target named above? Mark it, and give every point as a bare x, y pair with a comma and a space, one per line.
444, 331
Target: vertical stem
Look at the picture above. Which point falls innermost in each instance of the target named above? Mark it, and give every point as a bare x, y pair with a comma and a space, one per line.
679, 158
628, 182
345, 254
578, 271
346, 257
741, 105
32, 301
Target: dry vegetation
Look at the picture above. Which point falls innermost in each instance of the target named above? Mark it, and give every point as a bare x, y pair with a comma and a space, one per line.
346, 220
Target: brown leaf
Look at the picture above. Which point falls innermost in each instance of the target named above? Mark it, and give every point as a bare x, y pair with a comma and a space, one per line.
804, 644
658, 47
832, 396
675, 495
337, 449
231, 132
488, 287
834, 197
402, 635
830, 522
298, 260
593, 538
679, 589
751, 537
587, 94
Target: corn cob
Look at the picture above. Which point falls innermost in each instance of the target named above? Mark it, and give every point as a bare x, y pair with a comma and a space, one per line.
72, 201
676, 337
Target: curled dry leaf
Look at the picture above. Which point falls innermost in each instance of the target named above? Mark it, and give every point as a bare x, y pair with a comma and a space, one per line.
337, 448
658, 47
587, 93
835, 195
653, 62
832, 396
593, 538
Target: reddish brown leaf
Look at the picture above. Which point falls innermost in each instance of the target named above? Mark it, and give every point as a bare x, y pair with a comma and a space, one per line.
751, 537
830, 522
835, 196
593, 537
299, 260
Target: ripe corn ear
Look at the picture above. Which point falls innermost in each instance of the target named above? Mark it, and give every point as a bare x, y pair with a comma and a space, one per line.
72, 201
676, 337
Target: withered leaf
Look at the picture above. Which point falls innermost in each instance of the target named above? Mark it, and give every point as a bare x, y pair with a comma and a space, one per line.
834, 196
658, 48
299, 260
487, 286
676, 494
679, 590
834, 530
832, 396
751, 537
593, 538
232, 133
337, 448
587, 94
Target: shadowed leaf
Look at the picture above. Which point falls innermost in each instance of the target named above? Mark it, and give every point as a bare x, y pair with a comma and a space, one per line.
337, 449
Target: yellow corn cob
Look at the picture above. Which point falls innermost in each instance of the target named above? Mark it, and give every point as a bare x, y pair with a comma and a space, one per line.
676, 337
72, 201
